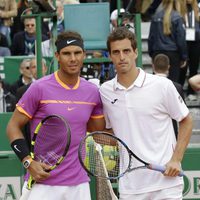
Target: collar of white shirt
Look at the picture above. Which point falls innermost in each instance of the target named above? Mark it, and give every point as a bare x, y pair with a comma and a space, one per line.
138, 82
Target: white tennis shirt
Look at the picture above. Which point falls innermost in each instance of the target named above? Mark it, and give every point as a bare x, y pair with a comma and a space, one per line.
141, 116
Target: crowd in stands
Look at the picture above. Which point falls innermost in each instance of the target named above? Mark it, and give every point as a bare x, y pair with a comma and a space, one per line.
174, 32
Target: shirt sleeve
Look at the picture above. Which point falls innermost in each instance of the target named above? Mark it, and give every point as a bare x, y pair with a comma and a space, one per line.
174, 103
29, 102
98, 108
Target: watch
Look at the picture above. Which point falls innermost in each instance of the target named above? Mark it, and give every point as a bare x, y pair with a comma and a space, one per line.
27, 162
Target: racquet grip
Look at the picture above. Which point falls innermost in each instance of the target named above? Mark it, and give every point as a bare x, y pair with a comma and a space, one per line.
162, 169
30, 183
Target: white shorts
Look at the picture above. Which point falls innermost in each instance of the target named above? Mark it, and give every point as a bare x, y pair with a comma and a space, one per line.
48, 192
173, 193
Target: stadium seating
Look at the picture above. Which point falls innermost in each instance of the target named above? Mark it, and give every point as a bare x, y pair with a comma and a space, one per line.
91, 20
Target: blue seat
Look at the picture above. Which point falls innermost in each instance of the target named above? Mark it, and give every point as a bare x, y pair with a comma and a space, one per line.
91, 20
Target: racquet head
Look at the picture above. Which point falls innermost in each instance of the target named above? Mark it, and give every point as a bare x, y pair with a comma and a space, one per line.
99, 154
51, 141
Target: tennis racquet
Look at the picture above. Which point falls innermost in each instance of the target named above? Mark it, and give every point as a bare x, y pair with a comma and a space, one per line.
118, 158
50, 142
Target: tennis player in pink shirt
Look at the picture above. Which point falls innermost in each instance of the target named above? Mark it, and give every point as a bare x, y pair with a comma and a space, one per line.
63, 93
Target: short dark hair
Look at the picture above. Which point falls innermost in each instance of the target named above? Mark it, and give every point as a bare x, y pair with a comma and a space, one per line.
161, 63
121, 33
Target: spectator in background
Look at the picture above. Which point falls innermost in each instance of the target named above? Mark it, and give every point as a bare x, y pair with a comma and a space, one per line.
122, 19
33, 69
194, 82
47, 45
150, 9
3, 40
7, 100
24, 41
114, 18
8, 10
4, 51
161, 68
18, 25
167, 36
25, 78
192, 23
60, 17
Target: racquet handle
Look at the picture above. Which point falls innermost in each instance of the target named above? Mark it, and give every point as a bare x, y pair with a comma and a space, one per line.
30, 183
162, 169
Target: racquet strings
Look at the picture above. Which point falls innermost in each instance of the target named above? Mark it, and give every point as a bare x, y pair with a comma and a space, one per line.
111, 149
51, 141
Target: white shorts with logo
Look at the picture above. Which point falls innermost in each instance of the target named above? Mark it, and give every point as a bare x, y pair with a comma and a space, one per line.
48, 192
173, 193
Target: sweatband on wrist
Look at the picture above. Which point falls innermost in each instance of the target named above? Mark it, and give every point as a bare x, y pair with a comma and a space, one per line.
68, 42
20, 148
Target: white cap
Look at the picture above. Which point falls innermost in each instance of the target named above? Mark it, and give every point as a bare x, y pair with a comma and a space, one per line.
114, 13
70, 2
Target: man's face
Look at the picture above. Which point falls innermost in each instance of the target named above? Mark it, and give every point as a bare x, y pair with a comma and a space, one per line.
59, 7
70, 59
25, 70
33, 68
30, 26
123, 55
